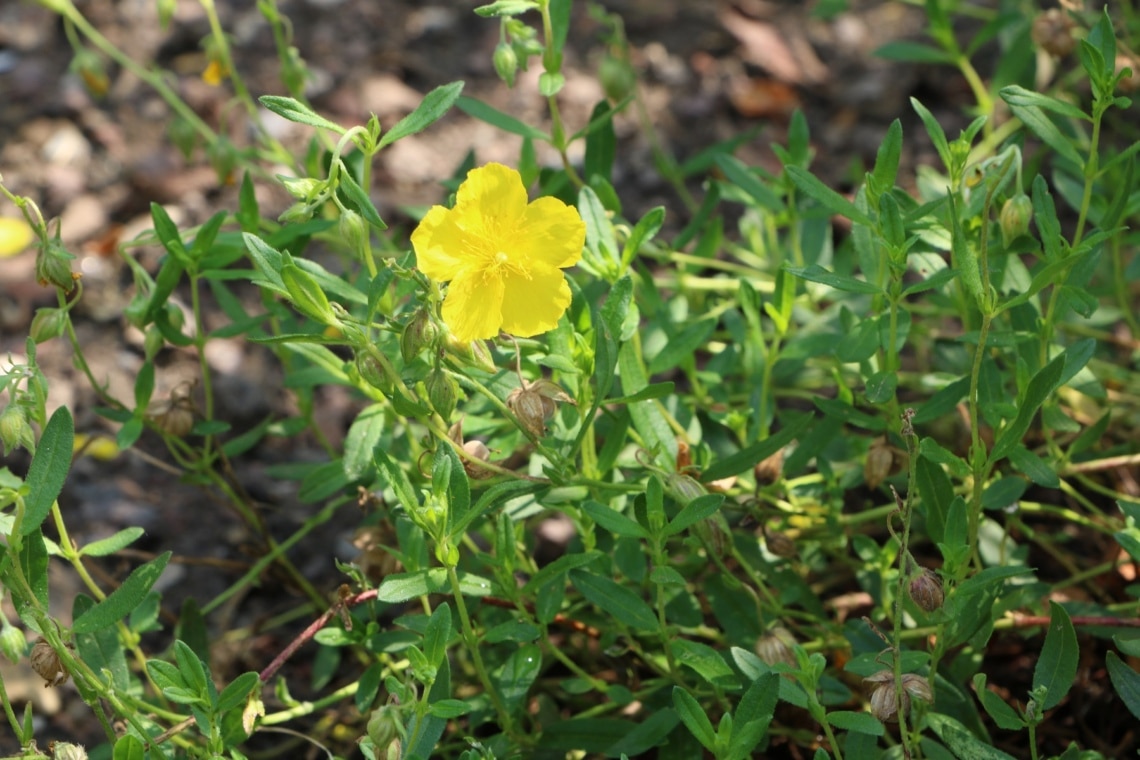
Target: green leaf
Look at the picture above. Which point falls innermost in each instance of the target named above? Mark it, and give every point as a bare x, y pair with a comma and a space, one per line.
48, 470
397, 480
704, 660
682, 346
1126, 682
1039, 124
190, 667
826, 197
913, 52
112, 544
614, 521
123, 599
306, 294
696, 510
601, 144
1057, 665
559, 566
651, 391
449, 708
400, 587
437, 634
934, 129
506, 8
128, 747
357, 197
738, 174
237, 690
1016, 95
1039, 390
861, 722
996, 707
646, 735
497, 118
961, 742
880, 387
816, 273
362, 438
647, 417
518, 674
624, 605
101, 650
434, 105
694, 718
248, 215
1034, 467
752, 715
294, 110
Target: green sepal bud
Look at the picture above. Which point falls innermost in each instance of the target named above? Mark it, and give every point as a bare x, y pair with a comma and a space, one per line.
153, 342
183, 136
223, 157
354, 232
302, 188
617, 77
298, 212
12, 641
15, 430
294, 71
442, 392
53, 265
1014, 219
506, 62
384, 725
377, 371
420, 333
88, 66
48, 323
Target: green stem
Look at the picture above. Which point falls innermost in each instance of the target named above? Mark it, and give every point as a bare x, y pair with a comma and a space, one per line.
472, 642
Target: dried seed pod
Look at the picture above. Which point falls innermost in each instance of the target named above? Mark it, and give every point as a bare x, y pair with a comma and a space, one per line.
880, 460
175, 415
47, 665
65, 751
768, 470
534, 404
476, 449
776, 646
917, 687
778, 543
926, 591
1052, 31
884, 703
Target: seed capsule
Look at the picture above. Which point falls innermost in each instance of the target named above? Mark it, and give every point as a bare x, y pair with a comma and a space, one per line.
1052, 31
776, 645
46, 663
926, 591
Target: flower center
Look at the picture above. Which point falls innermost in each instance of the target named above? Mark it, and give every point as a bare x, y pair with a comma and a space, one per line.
500, 264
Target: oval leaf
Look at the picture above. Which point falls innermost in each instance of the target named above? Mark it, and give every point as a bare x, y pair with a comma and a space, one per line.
123, 599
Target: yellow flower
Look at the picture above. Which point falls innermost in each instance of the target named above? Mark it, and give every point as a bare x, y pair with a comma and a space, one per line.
503, 256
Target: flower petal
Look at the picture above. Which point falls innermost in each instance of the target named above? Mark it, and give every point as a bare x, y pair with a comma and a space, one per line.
490, 201
473, 306
550, 233
438, 243
534, 304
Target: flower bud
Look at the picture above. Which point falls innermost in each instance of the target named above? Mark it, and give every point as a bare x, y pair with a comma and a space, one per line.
384, 726
53, 265
294, 72
617, 77
776, 646
89, 66
354, 232
183, 136
1052, 31
506, 63
377, 371
442, 392
12, 641
223, 157
1014, 219
153, 341
46, 663
420, 333
926, 591
15, 430
48, 323
684, 488
302, 188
